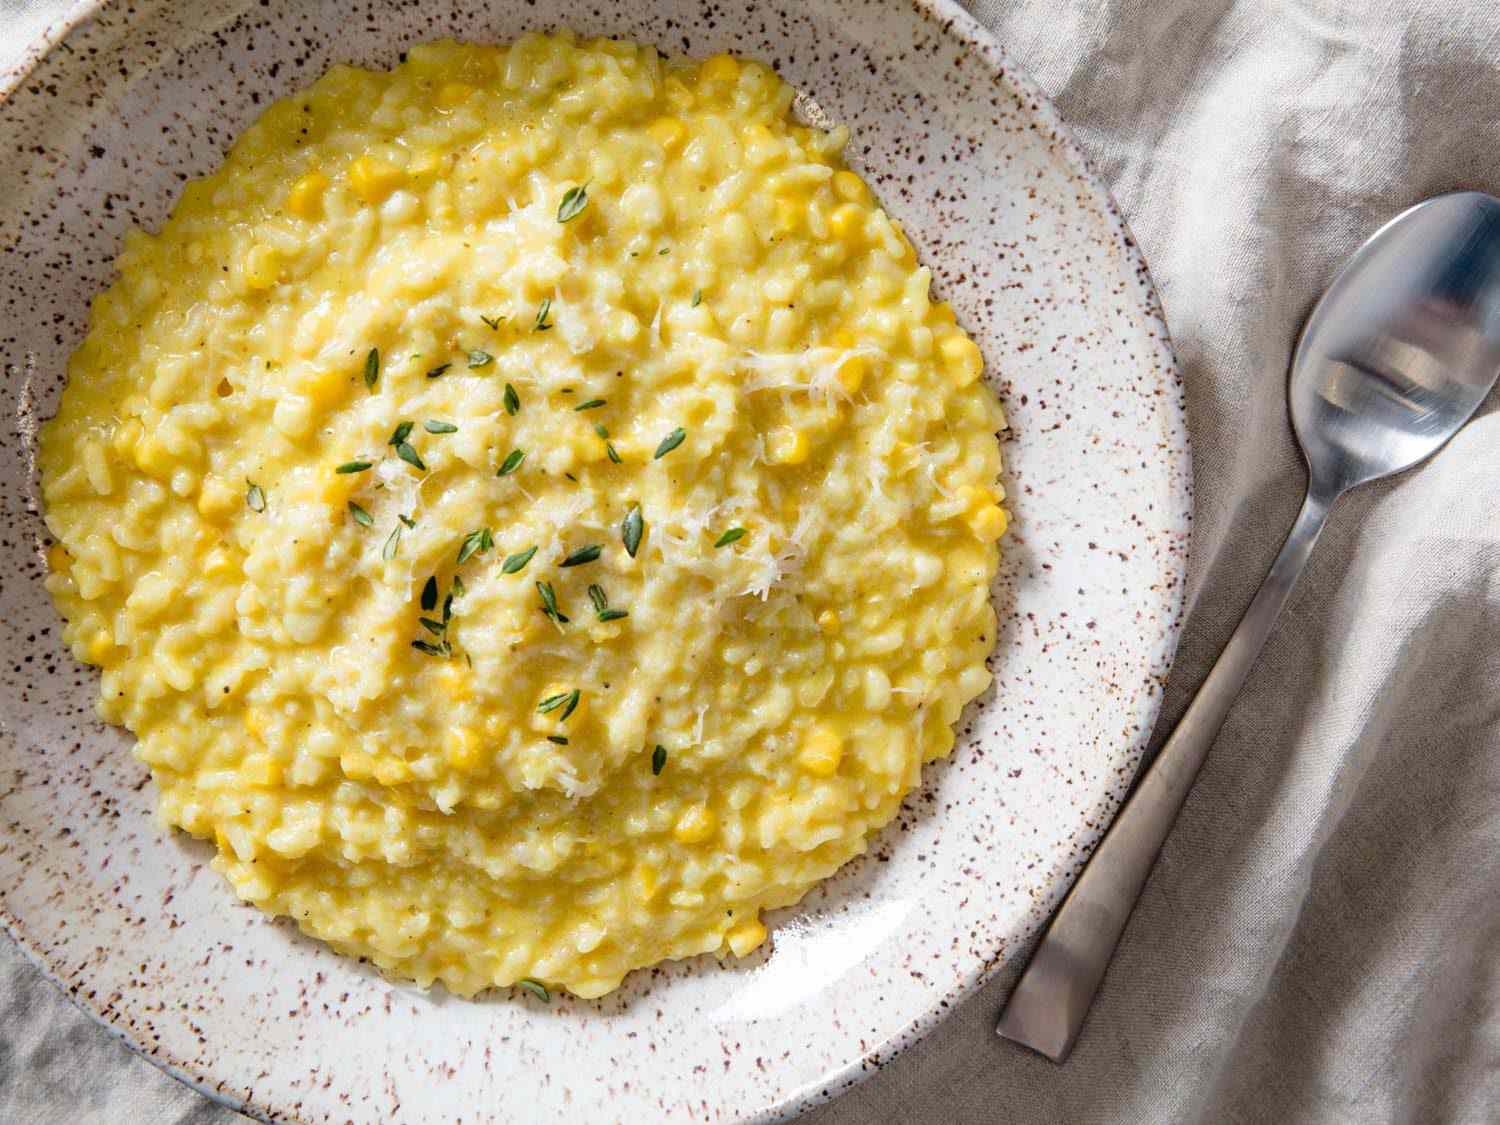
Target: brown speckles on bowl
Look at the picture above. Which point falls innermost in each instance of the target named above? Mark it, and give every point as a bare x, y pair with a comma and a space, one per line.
103, 131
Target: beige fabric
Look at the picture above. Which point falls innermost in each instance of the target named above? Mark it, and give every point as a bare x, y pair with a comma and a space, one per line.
1321, 941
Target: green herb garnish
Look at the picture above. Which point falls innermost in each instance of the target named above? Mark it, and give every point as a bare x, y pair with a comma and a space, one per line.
431, 649
574, 200
407, 520
511, 463
429, 594
734, 534
670, 442
352, 467
361, 517
553, 702
433, 426
255, 498
400, 433
540, 324
632, 530
474, 543
658, 760
436, 628
561, 740
494, 322
697, 298
512, 400
392, 544
372, 367
410, 456
536, 988
549, 602
480, 358
583, 555
518, 561
597, 596
592, 404
440, 369
458, 591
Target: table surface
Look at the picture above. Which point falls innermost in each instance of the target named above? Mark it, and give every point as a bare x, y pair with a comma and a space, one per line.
1319, 941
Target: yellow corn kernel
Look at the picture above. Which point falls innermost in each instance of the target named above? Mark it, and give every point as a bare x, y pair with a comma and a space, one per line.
548, 721
944, 313
647, 882
425, 163
828, 621
125, 437
372, 179
746, 937
695, 825
152, 457
719, 68
325, 387
760, 145
262, 266
788, 214
217, 562
262, 770
305, 199
851, 373
57, 557
988, 521
788, 447
255, 723
216, 499
822, 751
452, 94
100, 645
850, 188
847, 222
962, 357
357, 765
392, 771
667, 132
456, 681
463, 748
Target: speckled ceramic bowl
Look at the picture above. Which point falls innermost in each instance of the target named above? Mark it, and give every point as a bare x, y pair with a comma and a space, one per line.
123, 102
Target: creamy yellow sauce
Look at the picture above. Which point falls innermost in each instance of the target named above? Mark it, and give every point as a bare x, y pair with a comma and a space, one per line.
443, 356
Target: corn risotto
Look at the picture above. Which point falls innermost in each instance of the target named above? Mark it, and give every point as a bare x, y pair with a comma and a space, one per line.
529, 510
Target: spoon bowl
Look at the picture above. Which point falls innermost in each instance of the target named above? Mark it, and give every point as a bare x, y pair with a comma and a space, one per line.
1396, 356
1404, 345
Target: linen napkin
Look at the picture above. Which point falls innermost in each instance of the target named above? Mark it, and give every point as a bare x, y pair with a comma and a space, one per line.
1321, 938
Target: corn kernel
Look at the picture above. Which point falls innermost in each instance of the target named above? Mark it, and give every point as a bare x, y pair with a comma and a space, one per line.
216, 499
262, 770
100, 645
125, 437
962, 357
988, 521
847, 221
456, 681
822, 751
850, 188
372, 179
828, 621
392, 771
357, 765
944, 313
262, 267
666, 131
647, 882
452, 94
217, 562
57, 557
789, 447
746, 937
760, 145
719, 68
695, 825
255, 723
788, 214
851, 373
305, 199
463, 748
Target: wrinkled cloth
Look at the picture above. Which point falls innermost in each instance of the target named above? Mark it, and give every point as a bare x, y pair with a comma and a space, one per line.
1321, 938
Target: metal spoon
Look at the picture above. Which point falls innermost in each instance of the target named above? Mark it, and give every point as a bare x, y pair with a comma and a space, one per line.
1395, 358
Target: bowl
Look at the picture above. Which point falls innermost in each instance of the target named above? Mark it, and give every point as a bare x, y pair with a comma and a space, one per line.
118, 105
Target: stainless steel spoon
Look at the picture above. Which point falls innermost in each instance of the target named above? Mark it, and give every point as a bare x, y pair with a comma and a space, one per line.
1395, 358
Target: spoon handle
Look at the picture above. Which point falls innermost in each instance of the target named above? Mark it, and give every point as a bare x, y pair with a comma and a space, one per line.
1047, 1008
